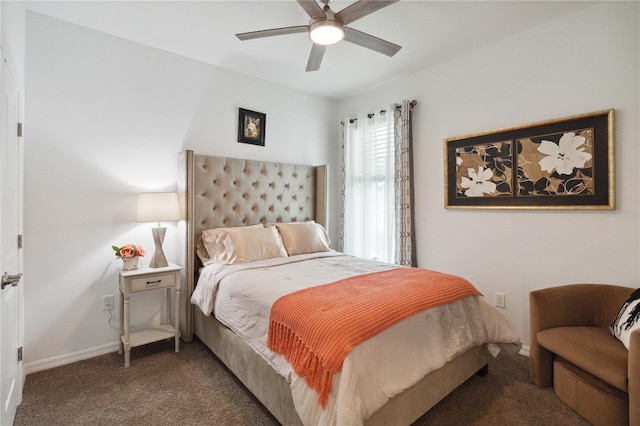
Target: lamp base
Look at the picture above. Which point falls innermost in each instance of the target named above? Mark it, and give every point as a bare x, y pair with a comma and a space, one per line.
159, 260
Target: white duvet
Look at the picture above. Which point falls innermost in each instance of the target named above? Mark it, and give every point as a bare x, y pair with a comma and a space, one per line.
240, 296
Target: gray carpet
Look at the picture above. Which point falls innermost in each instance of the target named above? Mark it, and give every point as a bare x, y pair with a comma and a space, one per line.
194, 388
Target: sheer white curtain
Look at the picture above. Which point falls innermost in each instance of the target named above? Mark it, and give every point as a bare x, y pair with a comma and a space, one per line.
376, 213
369, 186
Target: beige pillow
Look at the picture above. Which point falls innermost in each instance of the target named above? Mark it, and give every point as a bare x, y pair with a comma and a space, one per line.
250, 244
303, 237
201, 251
209, 247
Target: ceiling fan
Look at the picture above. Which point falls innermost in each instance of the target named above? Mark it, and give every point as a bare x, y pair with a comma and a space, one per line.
326, 28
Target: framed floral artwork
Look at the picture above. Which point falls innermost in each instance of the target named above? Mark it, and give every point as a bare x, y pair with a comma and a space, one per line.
251, 126
565, 163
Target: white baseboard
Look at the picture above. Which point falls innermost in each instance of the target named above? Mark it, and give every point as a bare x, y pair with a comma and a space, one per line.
59, 360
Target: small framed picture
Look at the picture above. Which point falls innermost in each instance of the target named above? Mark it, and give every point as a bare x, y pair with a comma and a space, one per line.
251, 127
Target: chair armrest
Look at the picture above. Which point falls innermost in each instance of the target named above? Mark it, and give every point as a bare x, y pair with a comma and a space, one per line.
634, 378
573, 305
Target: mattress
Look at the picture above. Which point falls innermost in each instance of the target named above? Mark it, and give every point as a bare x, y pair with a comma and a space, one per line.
240, 296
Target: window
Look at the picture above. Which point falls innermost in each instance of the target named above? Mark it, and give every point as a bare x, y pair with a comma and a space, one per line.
369, 186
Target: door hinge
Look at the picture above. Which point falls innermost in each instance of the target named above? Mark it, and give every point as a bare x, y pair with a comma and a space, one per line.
20, 354
19, 130
20, 241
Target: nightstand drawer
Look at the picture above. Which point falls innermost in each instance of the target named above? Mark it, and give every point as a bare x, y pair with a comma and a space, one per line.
155, 281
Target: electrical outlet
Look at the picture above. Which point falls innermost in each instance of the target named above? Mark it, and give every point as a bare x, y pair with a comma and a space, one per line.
500, 300
107, 302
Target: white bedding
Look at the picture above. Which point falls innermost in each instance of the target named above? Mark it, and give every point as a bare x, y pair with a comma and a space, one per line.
240, 296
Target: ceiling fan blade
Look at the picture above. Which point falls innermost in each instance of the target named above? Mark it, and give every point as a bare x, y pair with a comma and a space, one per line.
273, 32
312, 8
360, 9
315, 58
370, 42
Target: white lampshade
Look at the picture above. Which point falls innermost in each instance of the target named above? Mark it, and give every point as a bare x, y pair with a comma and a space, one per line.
158, 207
326, 32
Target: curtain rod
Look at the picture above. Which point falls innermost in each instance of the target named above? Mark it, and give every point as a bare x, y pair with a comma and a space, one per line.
412, 104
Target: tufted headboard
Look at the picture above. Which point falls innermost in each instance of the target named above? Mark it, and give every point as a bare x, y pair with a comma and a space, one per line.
219, 192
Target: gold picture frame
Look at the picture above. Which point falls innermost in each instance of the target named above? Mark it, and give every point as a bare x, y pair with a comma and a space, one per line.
564, 163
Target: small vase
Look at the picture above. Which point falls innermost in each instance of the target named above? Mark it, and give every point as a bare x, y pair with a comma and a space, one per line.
130, 263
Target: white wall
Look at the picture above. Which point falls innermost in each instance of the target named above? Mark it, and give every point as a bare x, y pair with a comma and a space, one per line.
107, 119
581, 63
12, 23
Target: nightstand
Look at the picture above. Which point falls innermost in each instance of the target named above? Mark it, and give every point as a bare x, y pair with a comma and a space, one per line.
147, 279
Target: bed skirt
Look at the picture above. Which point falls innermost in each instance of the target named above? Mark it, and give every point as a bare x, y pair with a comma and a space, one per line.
274, 392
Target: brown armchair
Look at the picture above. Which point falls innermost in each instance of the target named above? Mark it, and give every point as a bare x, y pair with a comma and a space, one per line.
572, 350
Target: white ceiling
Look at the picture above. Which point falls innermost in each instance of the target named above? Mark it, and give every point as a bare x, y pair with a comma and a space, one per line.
428, 31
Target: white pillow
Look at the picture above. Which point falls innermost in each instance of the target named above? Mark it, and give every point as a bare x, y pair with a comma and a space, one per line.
303, 237
209, 247
628, 319
250, 244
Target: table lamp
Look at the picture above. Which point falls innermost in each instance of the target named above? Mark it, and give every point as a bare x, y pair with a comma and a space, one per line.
158, 207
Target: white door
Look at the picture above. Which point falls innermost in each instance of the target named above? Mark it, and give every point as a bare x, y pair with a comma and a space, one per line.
10, 254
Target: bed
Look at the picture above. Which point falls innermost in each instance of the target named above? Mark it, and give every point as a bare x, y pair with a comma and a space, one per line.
218, 192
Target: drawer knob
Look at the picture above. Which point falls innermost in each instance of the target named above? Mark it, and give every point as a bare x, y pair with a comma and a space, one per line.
152, 283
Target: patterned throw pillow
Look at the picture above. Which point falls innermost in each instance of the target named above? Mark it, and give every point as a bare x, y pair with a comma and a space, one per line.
628, 319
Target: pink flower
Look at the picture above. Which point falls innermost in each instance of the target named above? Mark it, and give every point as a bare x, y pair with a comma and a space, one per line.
128, 251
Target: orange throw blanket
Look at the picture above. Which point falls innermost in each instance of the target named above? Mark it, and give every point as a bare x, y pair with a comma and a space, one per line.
315, 328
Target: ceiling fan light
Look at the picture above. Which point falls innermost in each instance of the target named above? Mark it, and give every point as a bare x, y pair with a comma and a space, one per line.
326, 32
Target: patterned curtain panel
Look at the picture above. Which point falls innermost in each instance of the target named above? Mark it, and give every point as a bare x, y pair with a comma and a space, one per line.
405, 246
343, 176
